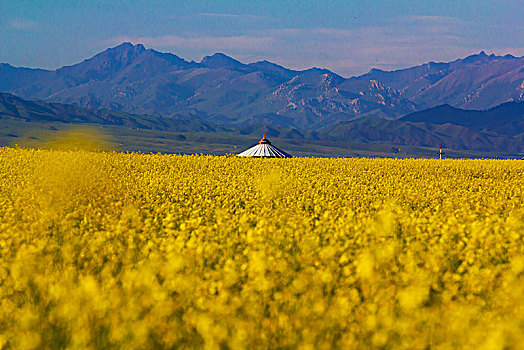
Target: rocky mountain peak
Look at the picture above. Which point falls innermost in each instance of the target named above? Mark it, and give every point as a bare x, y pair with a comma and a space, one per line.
220, 60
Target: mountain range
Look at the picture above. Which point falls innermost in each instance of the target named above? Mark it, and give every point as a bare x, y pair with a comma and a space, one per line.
496, 130
220, 90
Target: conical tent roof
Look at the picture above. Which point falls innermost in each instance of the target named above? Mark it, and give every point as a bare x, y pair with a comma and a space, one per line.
264, 148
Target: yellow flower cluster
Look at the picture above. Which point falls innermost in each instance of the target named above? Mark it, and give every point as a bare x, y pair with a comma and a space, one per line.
111, 250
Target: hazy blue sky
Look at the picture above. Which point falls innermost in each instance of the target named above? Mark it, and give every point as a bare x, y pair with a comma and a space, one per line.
348, 37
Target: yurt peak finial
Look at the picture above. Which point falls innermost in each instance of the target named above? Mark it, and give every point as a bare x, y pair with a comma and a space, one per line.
264, 140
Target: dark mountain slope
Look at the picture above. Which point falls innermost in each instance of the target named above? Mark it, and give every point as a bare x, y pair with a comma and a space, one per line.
497, 129
15, 108
12, 78
492, 119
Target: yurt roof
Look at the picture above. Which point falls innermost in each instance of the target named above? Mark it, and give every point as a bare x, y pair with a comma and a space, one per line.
264, 148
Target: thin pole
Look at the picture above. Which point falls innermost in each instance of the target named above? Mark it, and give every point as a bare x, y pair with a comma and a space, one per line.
440, 152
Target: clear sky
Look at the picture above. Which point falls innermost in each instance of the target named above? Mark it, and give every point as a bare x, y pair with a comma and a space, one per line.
348, 37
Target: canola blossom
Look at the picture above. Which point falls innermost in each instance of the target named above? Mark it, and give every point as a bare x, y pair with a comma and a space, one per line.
102, 250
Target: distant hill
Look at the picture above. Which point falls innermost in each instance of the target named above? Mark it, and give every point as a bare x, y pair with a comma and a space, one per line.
499, 129
15, 108
507, 118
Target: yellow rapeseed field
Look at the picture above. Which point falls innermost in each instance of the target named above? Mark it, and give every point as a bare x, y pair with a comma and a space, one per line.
111, 250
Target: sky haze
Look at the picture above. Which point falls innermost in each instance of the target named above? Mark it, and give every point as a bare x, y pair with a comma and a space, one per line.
347, 37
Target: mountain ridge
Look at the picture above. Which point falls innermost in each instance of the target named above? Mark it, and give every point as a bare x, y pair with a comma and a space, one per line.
222, 90
478, 81
13, 107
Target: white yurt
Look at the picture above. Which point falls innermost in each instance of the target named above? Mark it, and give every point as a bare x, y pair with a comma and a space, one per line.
264, 148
